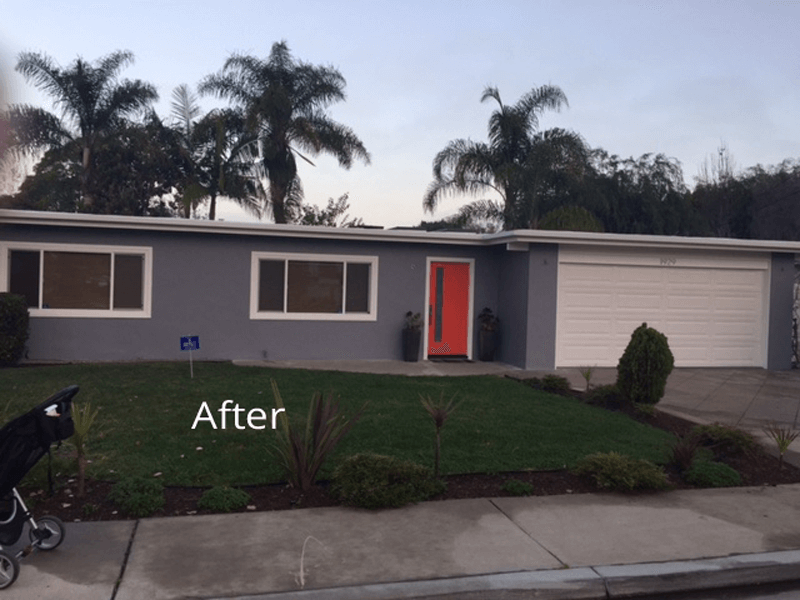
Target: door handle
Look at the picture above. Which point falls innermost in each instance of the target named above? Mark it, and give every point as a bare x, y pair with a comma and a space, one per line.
430, 313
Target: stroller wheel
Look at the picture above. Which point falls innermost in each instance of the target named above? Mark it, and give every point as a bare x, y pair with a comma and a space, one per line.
48, 534
9, 569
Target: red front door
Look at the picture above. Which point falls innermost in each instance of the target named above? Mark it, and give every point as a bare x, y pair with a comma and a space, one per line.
448, 309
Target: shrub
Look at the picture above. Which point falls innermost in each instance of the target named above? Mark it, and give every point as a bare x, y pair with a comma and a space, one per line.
439, 412
138, 496
553, 384
684, 451
223, 499
617, 472
644, 367
783, 438
376, 481
515, 487
724, 439
83, 417
705, 473
302, 453
607, 396
14, 320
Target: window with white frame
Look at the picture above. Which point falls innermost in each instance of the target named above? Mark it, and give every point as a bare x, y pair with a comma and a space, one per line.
76, 280
313, 286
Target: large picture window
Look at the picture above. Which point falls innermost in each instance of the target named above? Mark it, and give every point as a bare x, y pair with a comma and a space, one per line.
311, 286
78, 280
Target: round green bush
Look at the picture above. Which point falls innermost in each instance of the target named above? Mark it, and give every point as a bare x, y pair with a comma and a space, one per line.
223, 499
644, 366
515, 487
376, 481
14, 321
621, 473
138, 496
704, 473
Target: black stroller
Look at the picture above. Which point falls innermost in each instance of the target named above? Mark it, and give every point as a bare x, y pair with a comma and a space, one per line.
23, 442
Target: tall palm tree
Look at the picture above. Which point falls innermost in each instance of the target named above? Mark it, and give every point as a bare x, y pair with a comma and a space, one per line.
519, 163
284, 103
92, 102
217, 155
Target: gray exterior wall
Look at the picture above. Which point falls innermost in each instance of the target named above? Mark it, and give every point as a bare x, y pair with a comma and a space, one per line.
528, 295
201, 286
781, 298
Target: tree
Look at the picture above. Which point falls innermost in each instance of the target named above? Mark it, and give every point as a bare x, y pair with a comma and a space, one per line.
93, 104
284, 103
216, 155
525, 167
333, 215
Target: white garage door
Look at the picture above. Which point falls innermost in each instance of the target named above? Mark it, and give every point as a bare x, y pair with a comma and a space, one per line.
712, 307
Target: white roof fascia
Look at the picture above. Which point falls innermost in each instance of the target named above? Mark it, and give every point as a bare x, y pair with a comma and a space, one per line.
512, 239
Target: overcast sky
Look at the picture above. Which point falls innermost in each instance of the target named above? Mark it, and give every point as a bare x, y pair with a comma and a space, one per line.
678, 78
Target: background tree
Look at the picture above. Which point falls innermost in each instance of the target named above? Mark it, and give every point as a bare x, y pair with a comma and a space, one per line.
216, 156
525, 167
285, 102
333, 215
94, 104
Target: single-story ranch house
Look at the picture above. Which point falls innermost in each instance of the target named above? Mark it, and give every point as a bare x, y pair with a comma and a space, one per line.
127, 288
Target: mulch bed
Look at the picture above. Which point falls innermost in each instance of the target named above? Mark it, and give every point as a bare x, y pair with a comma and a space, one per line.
756, 469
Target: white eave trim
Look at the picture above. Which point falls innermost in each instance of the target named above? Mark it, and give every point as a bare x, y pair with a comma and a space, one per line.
513, 240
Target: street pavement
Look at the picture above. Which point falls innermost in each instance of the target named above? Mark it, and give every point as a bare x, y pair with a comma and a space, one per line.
571, 546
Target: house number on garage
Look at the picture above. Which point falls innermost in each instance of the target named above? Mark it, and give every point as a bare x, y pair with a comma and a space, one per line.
667, 261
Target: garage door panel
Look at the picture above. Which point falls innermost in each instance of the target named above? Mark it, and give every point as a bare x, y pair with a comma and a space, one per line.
711, 316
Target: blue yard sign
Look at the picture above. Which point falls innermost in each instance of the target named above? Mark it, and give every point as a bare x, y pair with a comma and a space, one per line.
190, 343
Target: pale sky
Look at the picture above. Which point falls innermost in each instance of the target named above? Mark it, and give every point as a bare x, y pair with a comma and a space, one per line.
678, 78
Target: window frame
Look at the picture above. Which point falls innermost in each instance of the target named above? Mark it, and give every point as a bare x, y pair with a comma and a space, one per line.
257, 257
107, 313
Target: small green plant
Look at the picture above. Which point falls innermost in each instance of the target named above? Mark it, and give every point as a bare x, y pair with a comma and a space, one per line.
684, 451
89, 509
515, 487
223, 499
488, 320
617, 472
783, 438
646, 410
706, 473
606, 396
724, 439
440, 411
138, 496
413, 321
375, 481
302, 454
552, 384
586, 373
14, 320
83, 417
644, 366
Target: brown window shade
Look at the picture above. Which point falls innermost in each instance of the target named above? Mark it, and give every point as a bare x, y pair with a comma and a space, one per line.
315, 287
357, 300
128, 272
270, 284
24, 275
76, 280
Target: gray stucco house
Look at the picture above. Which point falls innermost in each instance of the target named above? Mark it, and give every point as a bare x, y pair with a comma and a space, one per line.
127, 288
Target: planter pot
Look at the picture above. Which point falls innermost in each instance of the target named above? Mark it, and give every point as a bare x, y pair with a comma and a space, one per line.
487, 344
412, 339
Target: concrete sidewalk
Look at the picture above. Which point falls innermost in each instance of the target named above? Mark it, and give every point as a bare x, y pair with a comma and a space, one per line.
561, 546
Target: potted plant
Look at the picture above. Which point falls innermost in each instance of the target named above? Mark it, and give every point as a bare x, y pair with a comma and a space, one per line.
487, 337
412, 336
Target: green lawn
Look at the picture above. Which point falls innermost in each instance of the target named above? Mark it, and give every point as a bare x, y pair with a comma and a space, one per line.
147, 411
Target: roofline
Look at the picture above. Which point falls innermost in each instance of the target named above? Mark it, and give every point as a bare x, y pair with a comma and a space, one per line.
517, 237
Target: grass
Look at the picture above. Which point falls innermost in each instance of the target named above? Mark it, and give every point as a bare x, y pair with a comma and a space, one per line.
146, 411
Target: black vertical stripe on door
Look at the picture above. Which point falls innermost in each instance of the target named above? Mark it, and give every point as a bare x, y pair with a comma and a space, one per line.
437, 330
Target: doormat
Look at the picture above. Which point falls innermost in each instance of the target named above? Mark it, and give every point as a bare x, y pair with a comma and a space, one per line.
449, 359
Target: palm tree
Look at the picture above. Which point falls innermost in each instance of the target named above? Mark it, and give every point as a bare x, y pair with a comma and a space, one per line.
217, 155
520, 164
92, 101
284, 103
